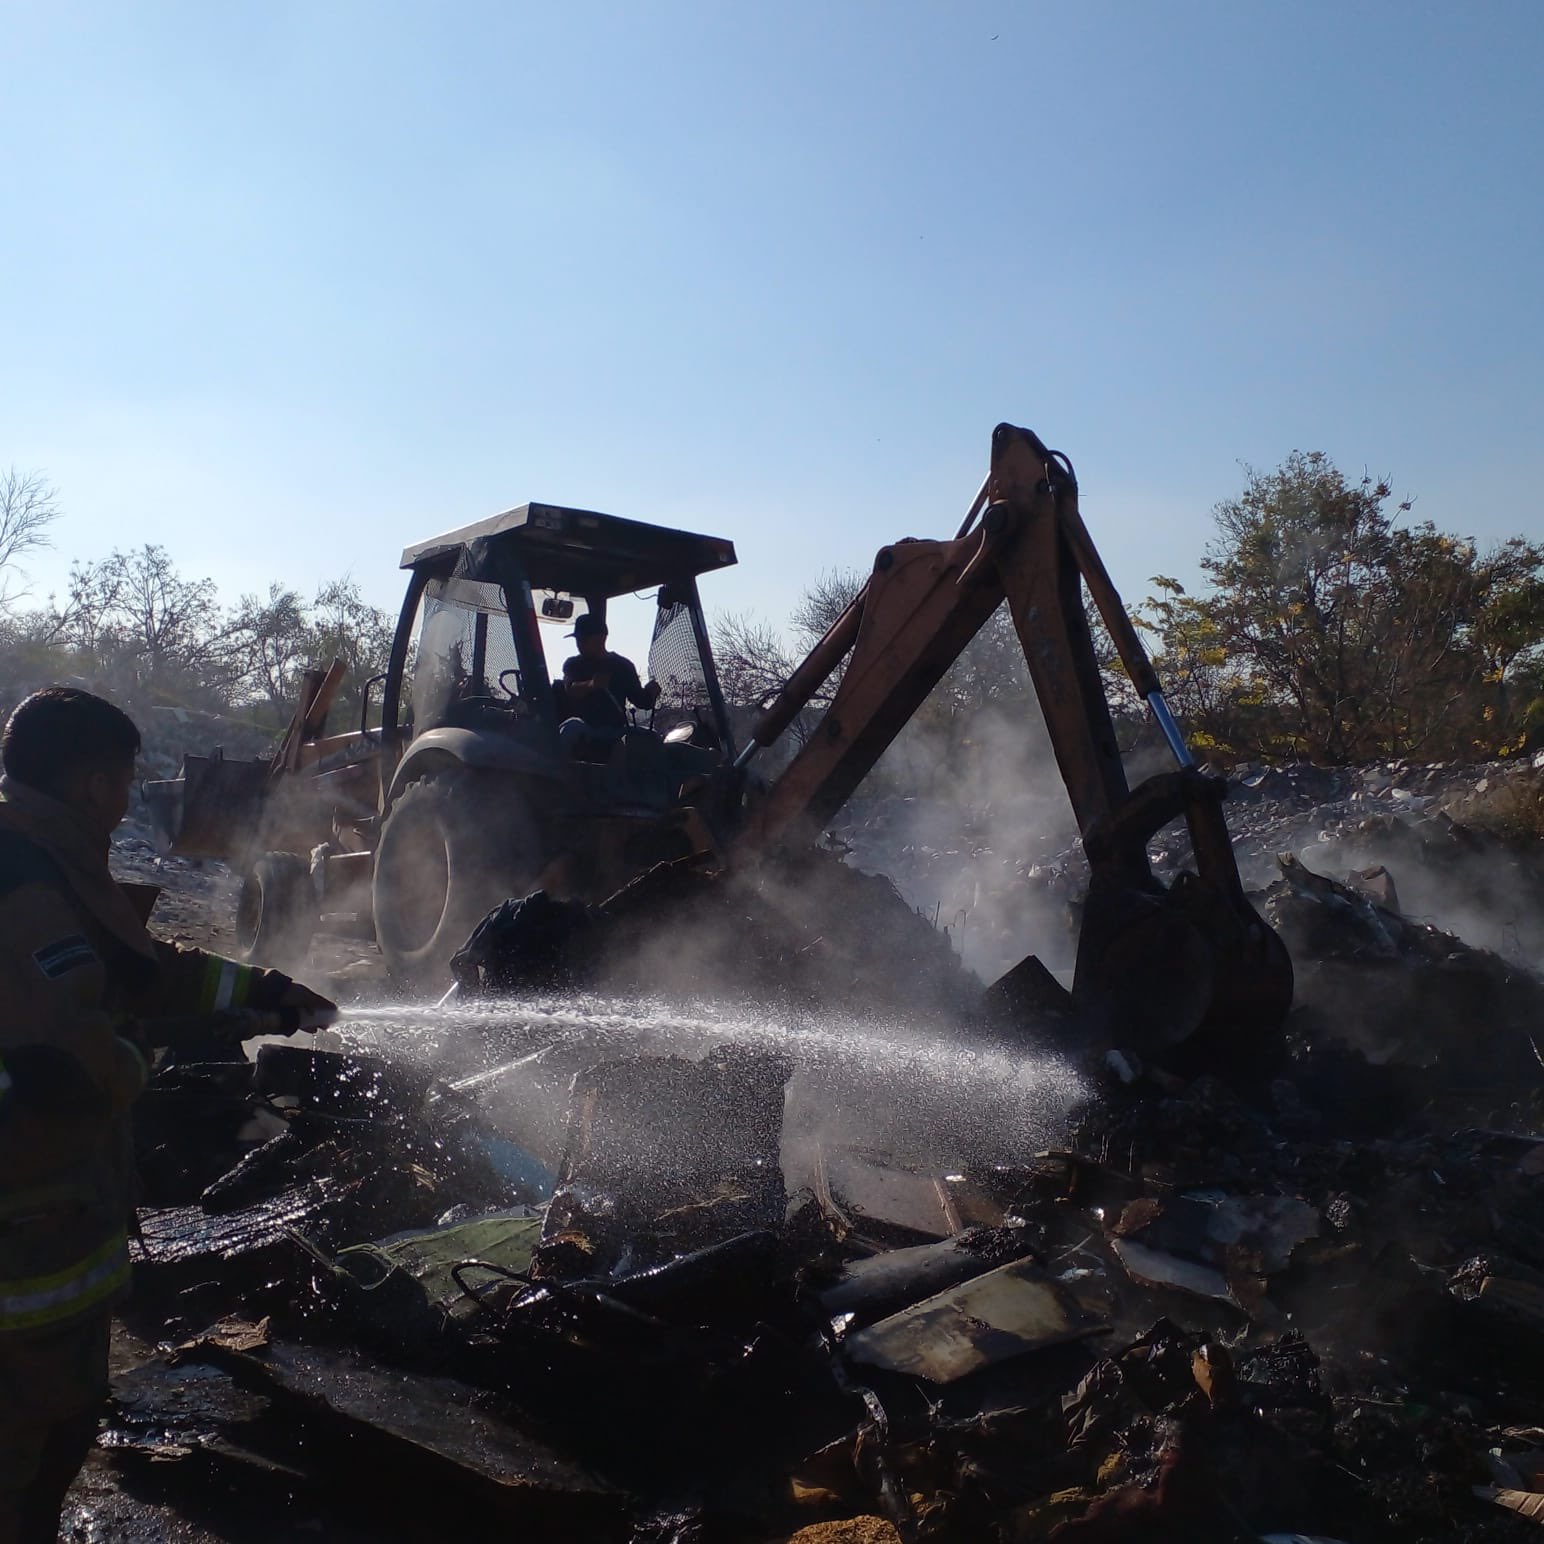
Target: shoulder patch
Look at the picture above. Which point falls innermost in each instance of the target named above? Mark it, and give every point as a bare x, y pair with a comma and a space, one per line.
64, 955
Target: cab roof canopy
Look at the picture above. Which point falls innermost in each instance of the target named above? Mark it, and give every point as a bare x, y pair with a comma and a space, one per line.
577, 551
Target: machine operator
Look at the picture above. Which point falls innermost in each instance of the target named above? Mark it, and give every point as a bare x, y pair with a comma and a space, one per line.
598, 686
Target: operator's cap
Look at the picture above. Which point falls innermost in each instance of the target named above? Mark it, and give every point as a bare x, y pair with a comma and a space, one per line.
589, 626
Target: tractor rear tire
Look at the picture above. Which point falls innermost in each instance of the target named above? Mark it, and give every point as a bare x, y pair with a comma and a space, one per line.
452, 848
276, 912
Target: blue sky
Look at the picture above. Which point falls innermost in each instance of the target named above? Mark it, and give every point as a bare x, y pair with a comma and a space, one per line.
285, 287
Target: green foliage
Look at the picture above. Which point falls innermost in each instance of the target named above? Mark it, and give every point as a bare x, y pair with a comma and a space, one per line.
134, 628
1334, 632
1329, 629
274, 638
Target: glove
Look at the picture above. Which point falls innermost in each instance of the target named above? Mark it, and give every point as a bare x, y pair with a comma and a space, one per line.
314, 1011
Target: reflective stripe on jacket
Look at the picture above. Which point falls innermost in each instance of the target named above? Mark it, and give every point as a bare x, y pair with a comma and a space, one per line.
75, 964
32, 1302
225, 984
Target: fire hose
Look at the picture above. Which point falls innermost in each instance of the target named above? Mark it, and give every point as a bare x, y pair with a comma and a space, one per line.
230, 1026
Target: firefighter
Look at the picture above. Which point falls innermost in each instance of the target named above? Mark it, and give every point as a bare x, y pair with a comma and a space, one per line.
78, 971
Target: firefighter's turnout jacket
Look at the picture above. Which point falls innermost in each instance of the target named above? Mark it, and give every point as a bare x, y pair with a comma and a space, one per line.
77, 969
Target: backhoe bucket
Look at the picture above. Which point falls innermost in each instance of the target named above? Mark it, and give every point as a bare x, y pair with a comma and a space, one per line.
1157, 964
1155, 967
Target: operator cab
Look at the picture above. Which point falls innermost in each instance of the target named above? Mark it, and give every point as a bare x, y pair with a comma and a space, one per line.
481, 641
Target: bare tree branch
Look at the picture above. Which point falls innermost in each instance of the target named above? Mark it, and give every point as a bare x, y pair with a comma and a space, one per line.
29, 505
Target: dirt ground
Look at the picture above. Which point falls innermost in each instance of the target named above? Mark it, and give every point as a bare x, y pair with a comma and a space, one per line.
197, 908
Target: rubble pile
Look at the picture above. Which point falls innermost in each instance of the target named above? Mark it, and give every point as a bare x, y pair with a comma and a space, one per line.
804, 930
1295, 1296
250, 1168
1004, 879
1242, 1291
1404, 991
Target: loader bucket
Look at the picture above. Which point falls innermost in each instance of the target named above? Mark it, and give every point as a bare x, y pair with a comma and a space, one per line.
210, 810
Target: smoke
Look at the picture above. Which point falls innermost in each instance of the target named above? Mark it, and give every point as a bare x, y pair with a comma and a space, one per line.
1487, 896
797, 932
978, 836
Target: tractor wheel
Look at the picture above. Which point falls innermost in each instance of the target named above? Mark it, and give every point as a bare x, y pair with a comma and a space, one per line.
452, 849
276, 911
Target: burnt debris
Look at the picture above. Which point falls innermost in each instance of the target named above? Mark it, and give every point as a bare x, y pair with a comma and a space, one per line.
1289, 1291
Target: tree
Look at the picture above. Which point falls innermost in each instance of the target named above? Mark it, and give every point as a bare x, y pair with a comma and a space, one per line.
271, 636
29, 505
145, 631
1332, 631
278, 636
822, 603
1192, 660
755, 659
1509, 633
167, 629
346, 626
1300, 569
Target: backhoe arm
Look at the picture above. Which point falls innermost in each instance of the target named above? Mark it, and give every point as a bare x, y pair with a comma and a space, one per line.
919, 609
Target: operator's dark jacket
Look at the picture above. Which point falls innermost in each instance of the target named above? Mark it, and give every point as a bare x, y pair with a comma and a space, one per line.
607, 708
76, 968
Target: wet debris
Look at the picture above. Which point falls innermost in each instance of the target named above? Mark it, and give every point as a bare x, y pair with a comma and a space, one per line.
162, 1417
1211, 1244
886, 1204
872, 1288
1012, 1311
320, 1149
1526, 1503
1281, 1293
232, 1334
1127, 1354
665, 1156
438, 1436
300, 1442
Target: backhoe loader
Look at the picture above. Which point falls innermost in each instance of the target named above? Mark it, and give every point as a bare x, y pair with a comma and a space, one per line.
1154, 963
462, 796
